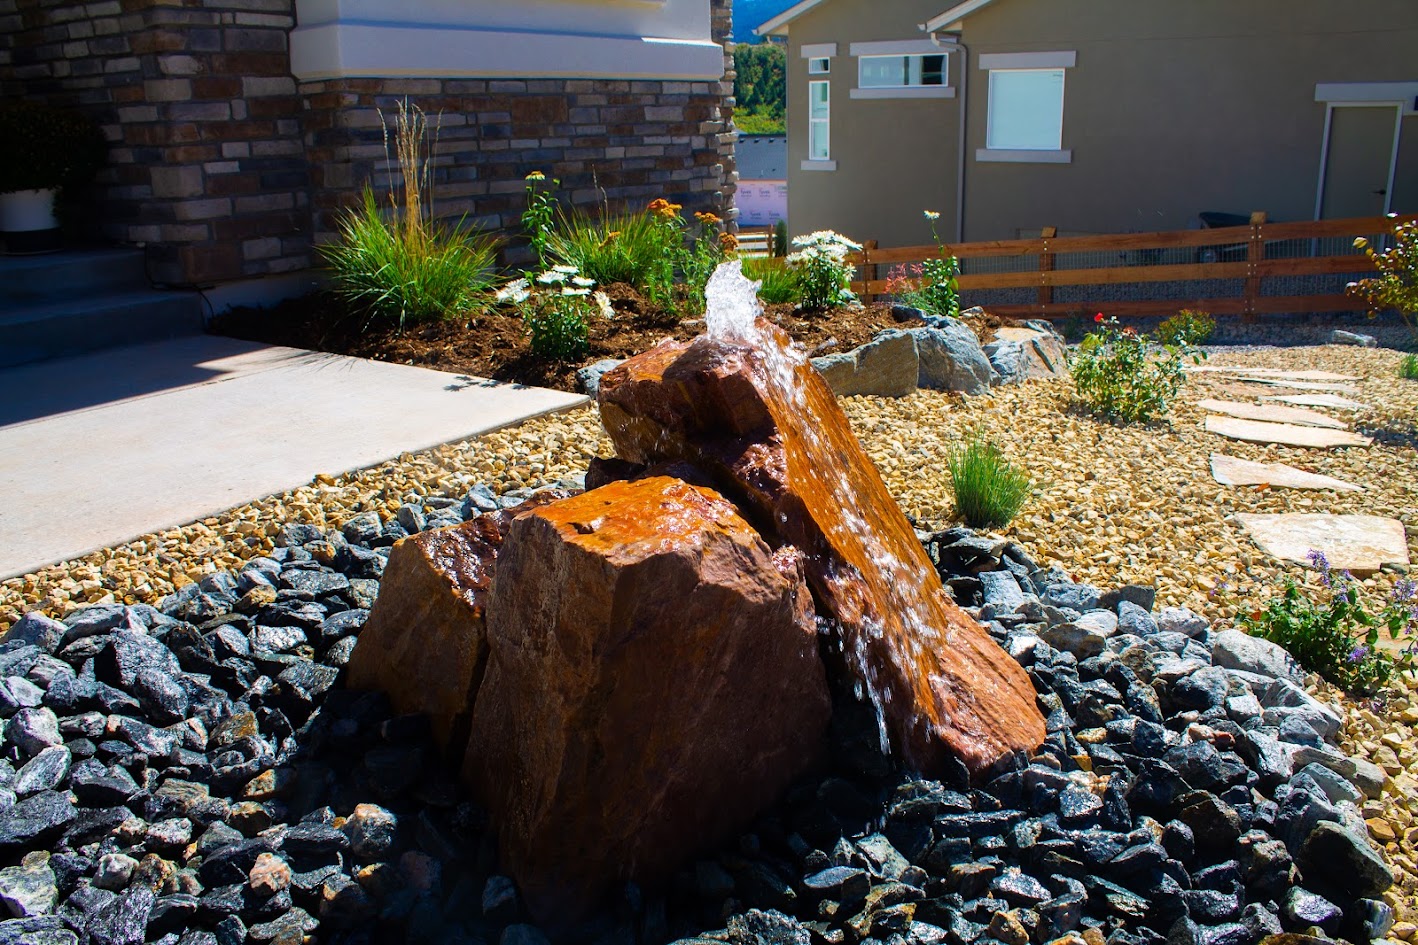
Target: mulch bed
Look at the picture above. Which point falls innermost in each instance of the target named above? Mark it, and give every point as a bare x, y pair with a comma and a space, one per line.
494, 344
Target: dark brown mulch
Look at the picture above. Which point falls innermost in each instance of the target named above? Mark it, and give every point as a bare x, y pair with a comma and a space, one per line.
494, 344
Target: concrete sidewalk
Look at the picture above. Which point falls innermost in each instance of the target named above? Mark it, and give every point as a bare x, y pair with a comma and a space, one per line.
104, 448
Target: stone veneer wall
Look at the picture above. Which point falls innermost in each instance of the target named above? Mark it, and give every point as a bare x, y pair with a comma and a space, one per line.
226, 168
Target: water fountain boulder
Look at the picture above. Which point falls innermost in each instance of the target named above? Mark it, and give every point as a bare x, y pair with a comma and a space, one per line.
425, 643
767, 428
653, 682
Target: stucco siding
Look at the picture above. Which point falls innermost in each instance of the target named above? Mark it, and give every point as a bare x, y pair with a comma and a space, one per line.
1204, 105
895, 157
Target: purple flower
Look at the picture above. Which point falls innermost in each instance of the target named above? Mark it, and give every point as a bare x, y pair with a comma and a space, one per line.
1357, 654
1404, 591
1320, 563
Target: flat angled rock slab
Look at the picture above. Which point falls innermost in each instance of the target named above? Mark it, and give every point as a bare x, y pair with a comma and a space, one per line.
1333, 401
1358, 543
1275, 373
1231, 471
1272, 414
1282, 434
1300, 385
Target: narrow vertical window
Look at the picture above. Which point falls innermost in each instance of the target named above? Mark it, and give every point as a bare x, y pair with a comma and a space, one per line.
819, 106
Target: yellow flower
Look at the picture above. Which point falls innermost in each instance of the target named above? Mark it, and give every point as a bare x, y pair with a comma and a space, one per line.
536, 175
662, 207
728, 242
708, 219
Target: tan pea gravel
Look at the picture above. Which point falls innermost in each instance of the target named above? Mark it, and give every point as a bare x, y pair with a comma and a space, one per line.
1114, 504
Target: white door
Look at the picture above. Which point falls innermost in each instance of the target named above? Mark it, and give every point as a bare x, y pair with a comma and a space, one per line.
1359, 160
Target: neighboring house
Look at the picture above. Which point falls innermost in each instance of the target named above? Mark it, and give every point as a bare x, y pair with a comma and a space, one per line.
1095, 116
239, 128
763, 179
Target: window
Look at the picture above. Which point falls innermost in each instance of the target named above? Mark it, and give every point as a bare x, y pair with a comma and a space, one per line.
819, 65
1025, 110
819, 105
898, 72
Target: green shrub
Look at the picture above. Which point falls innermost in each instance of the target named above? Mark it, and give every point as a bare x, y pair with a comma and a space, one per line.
823, 270
780, 239
540, 215
1339, 639
624, 247
557, 307
1186, 328
989, 489
408, 267
403, 274
1408, 368
1121, 376
1396, 285
47, 148
779, 284
931, 286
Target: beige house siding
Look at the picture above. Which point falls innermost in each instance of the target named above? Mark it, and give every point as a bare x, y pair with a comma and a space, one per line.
895, 157
1171, 109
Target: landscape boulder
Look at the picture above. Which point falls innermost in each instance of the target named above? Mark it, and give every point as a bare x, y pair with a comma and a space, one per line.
886, 366
1029, 352
767, 428
424, 643
950, 357
653, 682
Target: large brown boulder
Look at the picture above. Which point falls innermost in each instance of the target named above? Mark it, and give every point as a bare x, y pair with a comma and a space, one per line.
653, 683
424, 643
766, 426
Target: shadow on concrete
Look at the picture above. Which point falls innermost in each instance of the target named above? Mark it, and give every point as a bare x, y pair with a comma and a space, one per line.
49, 388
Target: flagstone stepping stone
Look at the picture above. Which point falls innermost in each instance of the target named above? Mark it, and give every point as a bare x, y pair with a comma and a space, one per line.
1302, 385
1272, 414
1232, 471
1320, 400
1282, 434
1277, 373
1358, 543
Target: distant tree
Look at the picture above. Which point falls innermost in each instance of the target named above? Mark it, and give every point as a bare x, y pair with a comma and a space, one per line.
761, 88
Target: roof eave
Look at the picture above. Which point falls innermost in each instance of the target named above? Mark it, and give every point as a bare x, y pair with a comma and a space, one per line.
778, 25
954, 18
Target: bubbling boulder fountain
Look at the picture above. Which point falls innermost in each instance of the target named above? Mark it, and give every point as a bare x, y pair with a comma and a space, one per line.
628, 676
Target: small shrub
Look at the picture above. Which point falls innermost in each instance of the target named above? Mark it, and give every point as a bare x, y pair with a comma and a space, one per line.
1396, 285
779, 284
408, 267
1339, 639
780, 239
825, 274
1121, 376
624, 247
989, 489
931, 286
557, 307
1408, 368
1186, 328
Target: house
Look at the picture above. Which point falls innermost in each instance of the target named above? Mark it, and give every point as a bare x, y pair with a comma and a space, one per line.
1095, 116
239, 128
762, 192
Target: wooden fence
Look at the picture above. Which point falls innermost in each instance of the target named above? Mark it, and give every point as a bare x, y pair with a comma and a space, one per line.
1247, 255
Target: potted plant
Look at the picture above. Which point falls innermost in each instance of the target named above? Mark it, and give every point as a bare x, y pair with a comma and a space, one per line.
45, 150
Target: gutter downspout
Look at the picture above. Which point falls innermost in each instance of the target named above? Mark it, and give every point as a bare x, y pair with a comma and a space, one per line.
955, 46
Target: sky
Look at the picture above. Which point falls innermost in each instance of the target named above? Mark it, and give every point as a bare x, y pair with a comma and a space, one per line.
751, 13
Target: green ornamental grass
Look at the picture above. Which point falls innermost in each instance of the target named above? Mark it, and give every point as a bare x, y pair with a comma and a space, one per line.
628, 247
1408, 368
780, 285
989, 489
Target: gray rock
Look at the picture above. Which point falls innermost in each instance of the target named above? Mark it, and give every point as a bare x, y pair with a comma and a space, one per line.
1104, 622
33, 730
102, 618
1303, 908
129, 654
30, 888
886, 366
950, 358
363, 528
31, 821
1039, 356
1346, 860
1335, 787
39, 930
1140, 595
371, 830
411, 518
1243, 708
1079, 597
1233, 649
1132, 619
124, 920
43, 772
277, 639
35, 629
1001, 590
16, 693
115, 871
1266, 756
1369, 778
1081, 640
1340, 337
588, 378
1182, 620
1373, 918
523, 934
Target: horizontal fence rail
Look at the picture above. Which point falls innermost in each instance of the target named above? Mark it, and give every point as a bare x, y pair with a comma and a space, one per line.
1235, 262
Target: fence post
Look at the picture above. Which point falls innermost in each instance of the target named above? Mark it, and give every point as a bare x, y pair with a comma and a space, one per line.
868, 270
1255, 255
1046, 264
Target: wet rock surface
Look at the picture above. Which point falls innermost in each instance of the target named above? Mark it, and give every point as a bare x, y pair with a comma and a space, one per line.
768, 430
1172, 799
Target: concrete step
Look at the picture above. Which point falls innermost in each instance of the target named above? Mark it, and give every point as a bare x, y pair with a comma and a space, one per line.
71, 274
107, 319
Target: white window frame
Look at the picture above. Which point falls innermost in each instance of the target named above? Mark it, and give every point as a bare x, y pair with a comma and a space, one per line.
819, 161
901, 48
1049, 62
944, 71
819, 65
